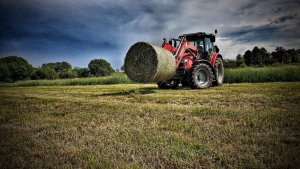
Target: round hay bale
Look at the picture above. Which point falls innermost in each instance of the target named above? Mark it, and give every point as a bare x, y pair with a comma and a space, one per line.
146, 63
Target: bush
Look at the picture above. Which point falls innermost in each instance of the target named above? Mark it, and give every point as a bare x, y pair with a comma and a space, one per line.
63, 69
82, 72
69, 74
13, 68
44, 73
230, 63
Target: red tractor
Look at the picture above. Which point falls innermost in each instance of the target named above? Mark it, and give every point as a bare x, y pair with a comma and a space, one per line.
198, 62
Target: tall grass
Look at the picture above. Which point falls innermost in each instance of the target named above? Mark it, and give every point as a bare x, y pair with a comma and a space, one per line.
264, 74
240, 75
116, 78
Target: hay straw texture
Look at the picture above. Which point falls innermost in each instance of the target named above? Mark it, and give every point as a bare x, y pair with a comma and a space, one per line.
146, 63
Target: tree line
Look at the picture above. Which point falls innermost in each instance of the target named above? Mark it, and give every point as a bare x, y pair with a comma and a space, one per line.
14, 68
259, 57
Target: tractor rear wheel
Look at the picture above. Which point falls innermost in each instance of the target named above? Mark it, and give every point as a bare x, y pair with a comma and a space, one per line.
170, 84
201, 76
219, 70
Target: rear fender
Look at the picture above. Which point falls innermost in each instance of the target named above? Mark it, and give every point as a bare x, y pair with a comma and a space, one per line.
214, 57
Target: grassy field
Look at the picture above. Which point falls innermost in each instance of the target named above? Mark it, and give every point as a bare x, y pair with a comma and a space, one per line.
139, 126
286, 73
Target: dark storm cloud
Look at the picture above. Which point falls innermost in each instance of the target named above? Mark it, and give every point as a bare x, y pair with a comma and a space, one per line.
276, 30
284, 18
76, 26
21, 22
77, 31
252, 33
26, 28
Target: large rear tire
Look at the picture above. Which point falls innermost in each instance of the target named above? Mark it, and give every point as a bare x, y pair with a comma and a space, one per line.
201, 77
170, 84
219, 70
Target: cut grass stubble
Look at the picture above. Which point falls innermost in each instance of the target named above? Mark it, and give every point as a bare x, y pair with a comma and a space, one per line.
140, 126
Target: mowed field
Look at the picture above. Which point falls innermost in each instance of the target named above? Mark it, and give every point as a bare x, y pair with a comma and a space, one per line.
140, 126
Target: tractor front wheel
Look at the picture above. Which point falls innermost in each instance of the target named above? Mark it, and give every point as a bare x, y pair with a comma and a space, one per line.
219, 70
202, 76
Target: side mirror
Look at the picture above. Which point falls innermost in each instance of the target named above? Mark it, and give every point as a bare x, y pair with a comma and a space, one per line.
216, 31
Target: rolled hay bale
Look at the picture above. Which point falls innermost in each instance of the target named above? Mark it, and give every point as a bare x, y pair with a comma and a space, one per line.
146, 63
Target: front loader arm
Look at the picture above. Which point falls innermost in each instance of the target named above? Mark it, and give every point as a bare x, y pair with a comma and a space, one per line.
183, 46
168, 46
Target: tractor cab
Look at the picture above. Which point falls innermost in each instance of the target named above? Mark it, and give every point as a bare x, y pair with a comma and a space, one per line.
204, 43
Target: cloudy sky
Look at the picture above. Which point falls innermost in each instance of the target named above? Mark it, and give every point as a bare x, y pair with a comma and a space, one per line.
77, 31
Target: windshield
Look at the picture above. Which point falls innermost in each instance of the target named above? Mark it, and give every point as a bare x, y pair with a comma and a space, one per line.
208, 45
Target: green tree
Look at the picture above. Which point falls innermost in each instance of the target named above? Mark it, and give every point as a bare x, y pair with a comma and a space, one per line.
248, 57
256, 57
85, 72
100, 67
14, 68
44, 73
294, 55
265, 56
62, 68
281, 55
298, 56
69, 74
82, 72
240, 61
228, 63
4, 73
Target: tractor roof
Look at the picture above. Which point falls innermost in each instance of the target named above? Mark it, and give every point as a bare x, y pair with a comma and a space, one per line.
197, 36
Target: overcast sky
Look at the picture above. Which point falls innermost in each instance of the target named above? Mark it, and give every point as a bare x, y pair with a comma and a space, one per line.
77, 31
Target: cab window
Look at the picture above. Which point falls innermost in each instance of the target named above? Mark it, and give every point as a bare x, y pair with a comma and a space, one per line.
200, 45
208, 45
